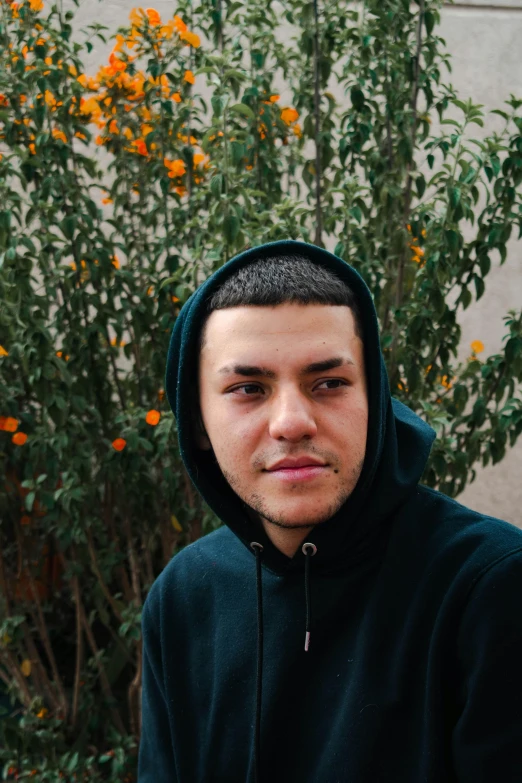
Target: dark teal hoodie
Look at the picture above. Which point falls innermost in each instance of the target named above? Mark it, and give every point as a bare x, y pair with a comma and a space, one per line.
414, 669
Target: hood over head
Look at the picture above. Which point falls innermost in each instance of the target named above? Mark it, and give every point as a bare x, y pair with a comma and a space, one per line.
397, 448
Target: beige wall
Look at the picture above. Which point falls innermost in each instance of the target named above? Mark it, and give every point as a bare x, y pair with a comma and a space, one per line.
484, 41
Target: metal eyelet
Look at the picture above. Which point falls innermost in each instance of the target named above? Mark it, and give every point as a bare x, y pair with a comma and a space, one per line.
254, 545
308, 545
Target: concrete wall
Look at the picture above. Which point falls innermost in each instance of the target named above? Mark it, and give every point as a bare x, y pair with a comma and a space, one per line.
484, 41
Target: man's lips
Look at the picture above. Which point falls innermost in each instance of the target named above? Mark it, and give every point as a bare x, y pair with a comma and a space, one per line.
293, 463
297, 469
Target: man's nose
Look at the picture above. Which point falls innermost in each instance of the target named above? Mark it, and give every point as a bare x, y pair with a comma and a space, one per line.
291, 417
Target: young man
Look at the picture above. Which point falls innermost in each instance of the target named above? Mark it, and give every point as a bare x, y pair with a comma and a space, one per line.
346, 624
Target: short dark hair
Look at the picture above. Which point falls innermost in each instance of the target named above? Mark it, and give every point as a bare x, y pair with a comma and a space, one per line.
283, 279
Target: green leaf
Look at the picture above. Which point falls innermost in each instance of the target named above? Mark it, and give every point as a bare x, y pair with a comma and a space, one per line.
454, 196
242, 108
231, 228
216, 185
429, 21
479, 286
357, 98
29, 500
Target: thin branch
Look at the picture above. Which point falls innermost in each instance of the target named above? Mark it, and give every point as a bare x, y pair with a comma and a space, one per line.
39, 671
399, 290
101, 581
133, 560
134, 695
318, 145
44, 635
11, 665
79, 651
104, 680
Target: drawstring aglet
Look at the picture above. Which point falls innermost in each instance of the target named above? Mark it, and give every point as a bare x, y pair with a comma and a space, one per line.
307, 641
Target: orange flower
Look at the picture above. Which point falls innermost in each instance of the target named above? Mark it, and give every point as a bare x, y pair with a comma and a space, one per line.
119, 444
176, 167
153, 16
150, 290
36, 5
274, 98
115, 261
58, 134
3, 352
8, 424
477, 346
191, 38
161, 395
189, 77
297, 130
198, 158
3, 100
174, 298
140, 147
181, 190
136, 16
176, 97
19, 438
289, 115
81, 136
179, 24
107, 201
152, 417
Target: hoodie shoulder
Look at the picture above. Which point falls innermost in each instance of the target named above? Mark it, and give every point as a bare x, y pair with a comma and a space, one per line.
192, 566
440, 526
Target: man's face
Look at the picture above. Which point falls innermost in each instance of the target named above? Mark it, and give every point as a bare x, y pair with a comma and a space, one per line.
262, 401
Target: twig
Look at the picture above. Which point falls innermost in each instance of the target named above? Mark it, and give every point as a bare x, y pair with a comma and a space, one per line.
134, 695
135, 572
104, 680
44, 635
407, 196
318, 145
79, 650
101, 581
38, 670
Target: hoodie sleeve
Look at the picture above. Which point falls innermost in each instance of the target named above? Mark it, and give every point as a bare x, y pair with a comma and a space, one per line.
156, 755
487, 740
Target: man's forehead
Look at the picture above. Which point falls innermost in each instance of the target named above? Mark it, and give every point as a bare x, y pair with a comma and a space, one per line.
305, 335
287, 319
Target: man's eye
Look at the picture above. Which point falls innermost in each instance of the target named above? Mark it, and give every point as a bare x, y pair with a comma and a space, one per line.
248, 388
333, 381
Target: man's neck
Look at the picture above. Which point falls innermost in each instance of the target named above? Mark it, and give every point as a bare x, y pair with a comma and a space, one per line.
286, 539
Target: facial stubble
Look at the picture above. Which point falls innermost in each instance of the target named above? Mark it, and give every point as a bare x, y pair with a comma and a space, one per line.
256, 503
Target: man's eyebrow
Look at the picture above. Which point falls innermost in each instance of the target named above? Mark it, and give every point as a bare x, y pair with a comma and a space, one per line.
250, 370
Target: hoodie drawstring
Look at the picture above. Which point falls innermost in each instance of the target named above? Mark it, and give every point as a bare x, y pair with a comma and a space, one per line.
309, 551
